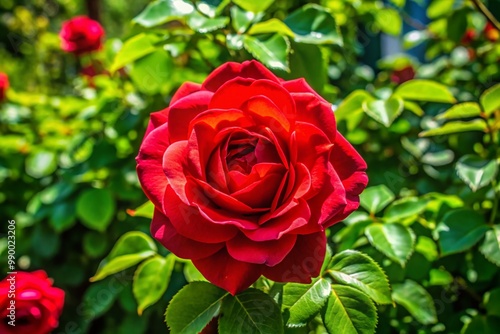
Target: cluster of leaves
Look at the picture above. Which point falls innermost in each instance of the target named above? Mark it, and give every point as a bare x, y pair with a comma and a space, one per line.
421, 254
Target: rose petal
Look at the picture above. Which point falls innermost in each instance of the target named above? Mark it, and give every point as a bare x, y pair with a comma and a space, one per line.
269, 253
311, 110
300, 86
163, 231
303, 262
227, 273
185, 89
248, 69
174, 161
156, 119
265, 112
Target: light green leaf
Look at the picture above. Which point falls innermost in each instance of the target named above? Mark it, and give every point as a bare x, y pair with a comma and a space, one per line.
191, 273
491, 245
375, 198
151, 72
95, 208
241, 19
151, 280
360, 271
455, 127
462, 110
416, 300
393, 240
351, 108
489, 99
425, 90
162, 11
146, 210
41, 163
130, 249
439, 8
476, 172
313, 24
203, 24
384, 112
414, 108
389, 20
251, 311
349, 311
304, 301
192, 308
427, 247
254, 6
272, 52
460, 230
134, 49
404, 208
271, 26
440, 277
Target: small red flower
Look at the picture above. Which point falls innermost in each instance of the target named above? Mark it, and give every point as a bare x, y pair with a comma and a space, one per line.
31, 302
491, 33
81, 35
246, 172
402, 75
468, 37
4, 85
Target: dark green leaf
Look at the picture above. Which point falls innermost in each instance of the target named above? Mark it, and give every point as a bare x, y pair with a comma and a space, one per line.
457, 25
304, 301
491, 245
384, 112
404, 208
375, 198
360, 271
241, 19
151, 280
313, 24
492, 302
460, 230
476, 172
416, 300
193, 307
251, 311
272, 52
482, 324
95, 208
394, 240
94, 243
349, 311
62, 216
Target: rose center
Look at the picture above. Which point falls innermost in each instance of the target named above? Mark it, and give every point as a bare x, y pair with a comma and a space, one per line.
241, 155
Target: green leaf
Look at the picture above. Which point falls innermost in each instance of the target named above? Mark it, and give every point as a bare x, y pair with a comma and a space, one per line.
414, 108
251, 311
404, 208
304, 301
439, 8
349, 311
427, 247
146, 210
162, 11
269, 27
272, 52
62, 216
489, 99
440, 277
482, 324
130, 249
191, 273
313, 24
41, 163
241, 19
94, 243
425, 90
203, 24
455, 127
460, 230
192, 308
151, 72
98, 298
462, 110
394, 240
416, 300
476, 172
384, 112
351, 108
151, 280
254, 6
95, 208
375, 198
134, 49
457, 25
389, 20
360, 271
491, 245
492, 302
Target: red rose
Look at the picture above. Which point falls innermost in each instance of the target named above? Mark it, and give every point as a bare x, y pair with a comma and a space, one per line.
81, 35
403, 74
4, 85
246, 171
37, 304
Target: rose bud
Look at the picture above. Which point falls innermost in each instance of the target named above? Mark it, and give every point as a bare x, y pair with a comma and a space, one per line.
30, 302
4, 85
491, 33
246, 171
81, 35
403, 74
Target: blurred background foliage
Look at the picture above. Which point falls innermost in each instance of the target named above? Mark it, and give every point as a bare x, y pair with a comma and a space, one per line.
414, 88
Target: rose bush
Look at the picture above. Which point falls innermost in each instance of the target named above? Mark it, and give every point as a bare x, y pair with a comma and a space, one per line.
38, 304
246, 171
81, 35
4, 85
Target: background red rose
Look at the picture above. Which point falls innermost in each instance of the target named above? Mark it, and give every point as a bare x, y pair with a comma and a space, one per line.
246, 171
38, 304
81, 35
4, 85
